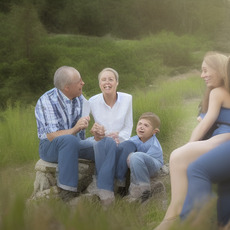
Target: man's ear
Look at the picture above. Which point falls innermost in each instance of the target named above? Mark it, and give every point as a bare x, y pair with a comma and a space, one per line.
66, 88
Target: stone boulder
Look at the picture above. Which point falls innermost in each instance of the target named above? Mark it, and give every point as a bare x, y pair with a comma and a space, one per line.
45, 180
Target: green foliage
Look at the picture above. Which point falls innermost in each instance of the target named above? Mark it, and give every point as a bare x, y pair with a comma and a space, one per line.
128, 18
138, 62
29, 57
25, 62
18, 138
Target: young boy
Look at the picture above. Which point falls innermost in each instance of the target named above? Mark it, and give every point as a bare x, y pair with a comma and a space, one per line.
143, 155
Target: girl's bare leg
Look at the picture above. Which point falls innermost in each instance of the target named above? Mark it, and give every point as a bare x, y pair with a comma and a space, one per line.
179, 161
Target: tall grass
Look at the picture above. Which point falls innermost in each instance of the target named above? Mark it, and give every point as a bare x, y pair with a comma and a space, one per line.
174, 101
18, 138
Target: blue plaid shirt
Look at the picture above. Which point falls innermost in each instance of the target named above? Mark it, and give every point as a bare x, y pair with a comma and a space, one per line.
54, 112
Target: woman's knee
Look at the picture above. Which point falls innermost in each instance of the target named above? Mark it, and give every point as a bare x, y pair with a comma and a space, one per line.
109, 141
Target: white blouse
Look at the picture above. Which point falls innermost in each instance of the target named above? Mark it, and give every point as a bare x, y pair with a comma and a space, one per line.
119, 118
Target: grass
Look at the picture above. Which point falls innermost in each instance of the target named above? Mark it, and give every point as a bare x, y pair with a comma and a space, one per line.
175, 101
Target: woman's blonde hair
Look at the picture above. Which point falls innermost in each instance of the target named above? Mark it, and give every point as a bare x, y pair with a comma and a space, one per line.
220, 63
111, 70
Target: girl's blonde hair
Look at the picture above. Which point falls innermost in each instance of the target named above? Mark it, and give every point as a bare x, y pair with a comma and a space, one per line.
220, 63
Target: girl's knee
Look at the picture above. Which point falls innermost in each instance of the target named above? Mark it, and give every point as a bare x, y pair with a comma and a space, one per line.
177, 159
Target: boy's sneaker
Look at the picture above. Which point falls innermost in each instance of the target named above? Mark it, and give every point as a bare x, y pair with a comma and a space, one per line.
145, 196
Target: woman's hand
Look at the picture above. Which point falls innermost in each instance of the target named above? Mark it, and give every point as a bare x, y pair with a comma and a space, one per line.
115, 136
98, 131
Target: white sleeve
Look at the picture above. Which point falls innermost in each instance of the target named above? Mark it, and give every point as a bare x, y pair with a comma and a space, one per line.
126, 131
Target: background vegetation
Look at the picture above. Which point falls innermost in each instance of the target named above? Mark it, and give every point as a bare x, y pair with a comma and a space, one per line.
141, 39
147, 41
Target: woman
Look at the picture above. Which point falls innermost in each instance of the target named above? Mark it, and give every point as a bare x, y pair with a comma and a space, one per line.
212, 167
112, 113
216, 106
111, 110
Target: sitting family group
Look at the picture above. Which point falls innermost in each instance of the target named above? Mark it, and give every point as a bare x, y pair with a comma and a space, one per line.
63, 114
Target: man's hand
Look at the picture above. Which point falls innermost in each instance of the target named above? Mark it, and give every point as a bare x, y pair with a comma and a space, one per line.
82, 123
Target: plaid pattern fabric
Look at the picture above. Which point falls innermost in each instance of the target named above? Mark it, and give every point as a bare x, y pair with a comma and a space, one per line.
54, 111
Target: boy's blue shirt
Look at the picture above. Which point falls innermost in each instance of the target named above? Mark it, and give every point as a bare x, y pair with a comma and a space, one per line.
152, 147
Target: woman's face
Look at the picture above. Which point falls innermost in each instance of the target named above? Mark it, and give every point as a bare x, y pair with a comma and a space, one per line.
108, 83
210, 76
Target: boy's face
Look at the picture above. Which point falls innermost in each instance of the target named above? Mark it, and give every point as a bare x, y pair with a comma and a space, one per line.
144, 130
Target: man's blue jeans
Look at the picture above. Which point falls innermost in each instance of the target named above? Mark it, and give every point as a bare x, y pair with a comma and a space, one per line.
212, 167
65, 150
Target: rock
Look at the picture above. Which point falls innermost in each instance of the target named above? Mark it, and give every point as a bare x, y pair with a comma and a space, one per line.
45, 180
45, 184
158, 188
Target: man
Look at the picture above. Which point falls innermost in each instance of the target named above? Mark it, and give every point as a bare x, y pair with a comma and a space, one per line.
61, 127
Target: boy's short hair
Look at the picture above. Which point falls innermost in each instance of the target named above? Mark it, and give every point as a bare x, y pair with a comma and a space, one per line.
152, 118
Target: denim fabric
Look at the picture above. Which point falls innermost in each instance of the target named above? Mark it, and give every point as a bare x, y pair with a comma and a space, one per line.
65, 150
123, 150
105, 162
212, 167
142, 167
